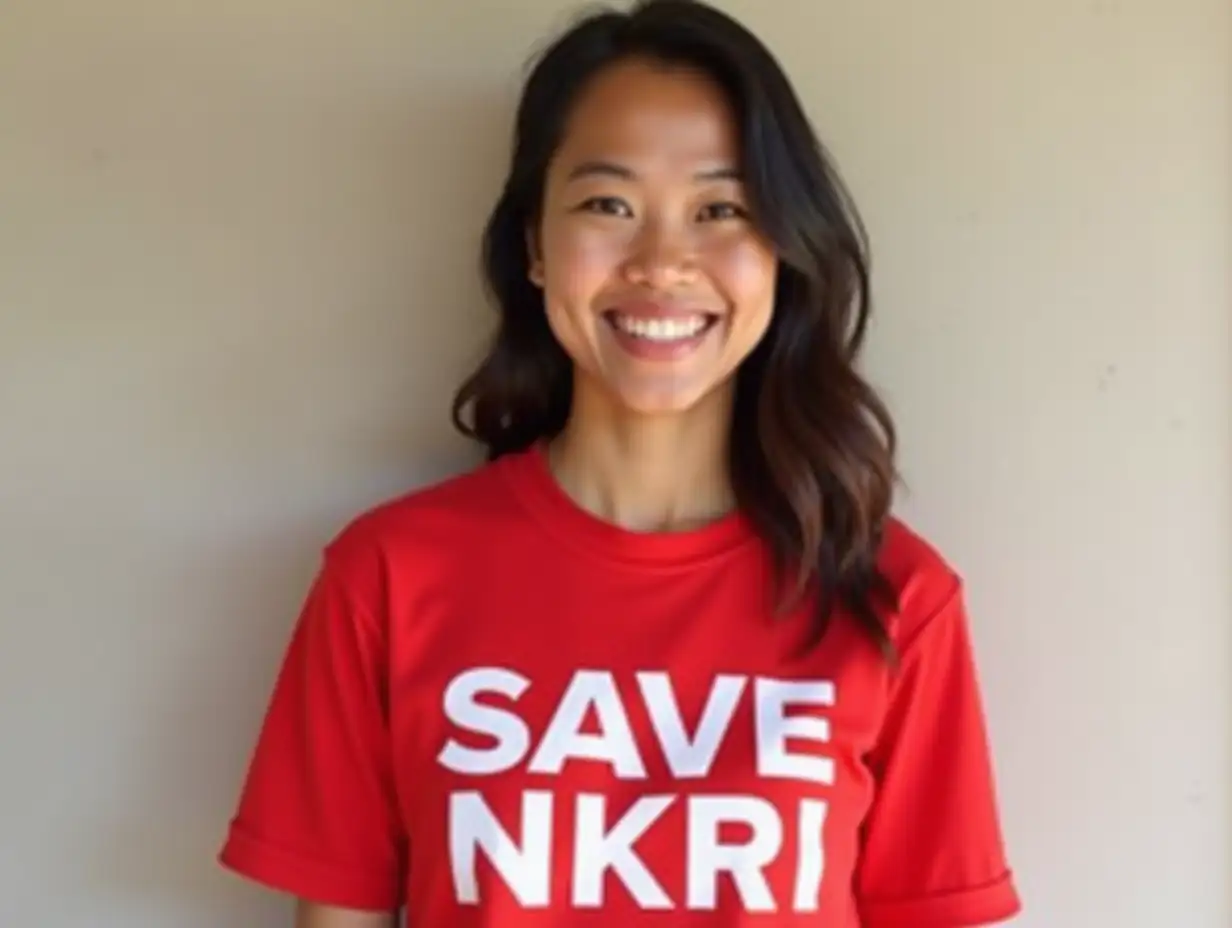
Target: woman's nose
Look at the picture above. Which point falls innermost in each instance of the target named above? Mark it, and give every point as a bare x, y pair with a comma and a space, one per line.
661, 259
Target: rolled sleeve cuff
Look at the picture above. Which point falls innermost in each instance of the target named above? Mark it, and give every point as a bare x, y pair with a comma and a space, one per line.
285, 871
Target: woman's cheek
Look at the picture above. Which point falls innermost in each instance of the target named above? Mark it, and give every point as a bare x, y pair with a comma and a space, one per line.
583, 258
745, 268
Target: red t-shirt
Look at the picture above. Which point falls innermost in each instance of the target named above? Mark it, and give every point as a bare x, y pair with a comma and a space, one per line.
499, 710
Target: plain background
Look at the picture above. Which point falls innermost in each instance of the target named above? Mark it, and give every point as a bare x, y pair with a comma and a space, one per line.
237, 287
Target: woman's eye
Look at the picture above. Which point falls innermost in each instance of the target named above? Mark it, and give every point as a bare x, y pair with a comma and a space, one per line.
721, 211
609, 206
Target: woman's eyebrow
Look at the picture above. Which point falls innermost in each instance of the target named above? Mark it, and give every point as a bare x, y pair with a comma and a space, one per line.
611, 169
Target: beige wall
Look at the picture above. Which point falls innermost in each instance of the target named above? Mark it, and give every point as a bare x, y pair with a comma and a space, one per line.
236, 286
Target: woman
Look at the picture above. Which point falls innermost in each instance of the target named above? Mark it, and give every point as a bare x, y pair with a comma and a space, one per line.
666, 658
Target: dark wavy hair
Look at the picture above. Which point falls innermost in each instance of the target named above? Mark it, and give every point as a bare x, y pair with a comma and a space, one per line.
812, 445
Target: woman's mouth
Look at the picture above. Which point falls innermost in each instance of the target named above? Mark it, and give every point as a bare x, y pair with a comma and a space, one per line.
661, 336
661, 329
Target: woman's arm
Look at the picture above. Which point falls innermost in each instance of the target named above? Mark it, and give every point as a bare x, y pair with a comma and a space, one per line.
314, 915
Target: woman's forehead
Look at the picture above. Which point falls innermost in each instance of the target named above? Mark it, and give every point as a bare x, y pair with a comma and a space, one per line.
653, 115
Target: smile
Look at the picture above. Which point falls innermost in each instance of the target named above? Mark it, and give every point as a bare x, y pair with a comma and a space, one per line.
661, 330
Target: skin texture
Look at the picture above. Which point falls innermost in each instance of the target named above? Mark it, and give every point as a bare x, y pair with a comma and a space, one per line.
667, 220
643, 203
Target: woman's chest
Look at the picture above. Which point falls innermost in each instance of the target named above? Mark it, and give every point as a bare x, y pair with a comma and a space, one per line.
655, 740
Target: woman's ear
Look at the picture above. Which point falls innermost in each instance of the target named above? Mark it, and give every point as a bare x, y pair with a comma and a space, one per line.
534, 257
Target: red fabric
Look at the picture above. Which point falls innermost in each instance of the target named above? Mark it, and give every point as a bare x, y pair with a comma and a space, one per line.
499, 710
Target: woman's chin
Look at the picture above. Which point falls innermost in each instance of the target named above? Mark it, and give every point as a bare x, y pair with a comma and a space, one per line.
658, 400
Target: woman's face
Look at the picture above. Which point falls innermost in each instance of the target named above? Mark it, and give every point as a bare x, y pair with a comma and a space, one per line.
655, 281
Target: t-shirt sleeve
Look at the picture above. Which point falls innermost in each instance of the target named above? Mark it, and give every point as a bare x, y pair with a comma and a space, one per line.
317, 813
933, 854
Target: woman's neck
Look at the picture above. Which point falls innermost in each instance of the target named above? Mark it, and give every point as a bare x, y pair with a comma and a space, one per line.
646, 473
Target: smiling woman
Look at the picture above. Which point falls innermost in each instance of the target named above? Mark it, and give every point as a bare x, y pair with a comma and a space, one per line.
666, 654
646, 249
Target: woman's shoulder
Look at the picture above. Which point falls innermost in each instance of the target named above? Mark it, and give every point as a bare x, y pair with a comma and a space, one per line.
446, 516
925, 581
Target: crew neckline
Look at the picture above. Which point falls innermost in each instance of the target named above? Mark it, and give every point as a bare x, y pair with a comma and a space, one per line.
532, 480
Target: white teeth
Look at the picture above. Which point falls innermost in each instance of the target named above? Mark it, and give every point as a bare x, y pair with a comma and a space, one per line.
661, 330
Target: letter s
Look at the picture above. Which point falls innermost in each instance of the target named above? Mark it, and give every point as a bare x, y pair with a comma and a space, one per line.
464, 710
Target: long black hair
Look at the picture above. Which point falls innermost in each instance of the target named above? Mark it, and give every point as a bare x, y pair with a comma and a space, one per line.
812, 445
